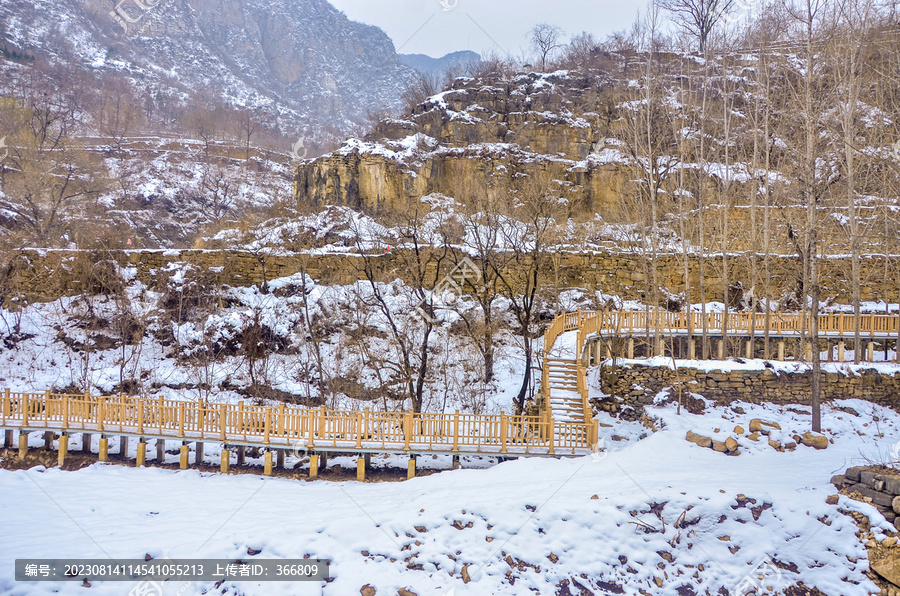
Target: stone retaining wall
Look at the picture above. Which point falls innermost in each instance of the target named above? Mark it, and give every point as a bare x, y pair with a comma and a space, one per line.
49, 274
639, 383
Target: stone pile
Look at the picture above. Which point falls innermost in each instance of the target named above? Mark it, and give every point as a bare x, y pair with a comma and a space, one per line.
758, 429
876, 485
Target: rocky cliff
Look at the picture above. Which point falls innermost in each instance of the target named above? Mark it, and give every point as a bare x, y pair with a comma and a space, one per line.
480, 127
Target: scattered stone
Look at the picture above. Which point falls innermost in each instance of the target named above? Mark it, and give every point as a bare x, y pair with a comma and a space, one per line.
595, 497
658, 580
147, 557
790, 446
731, 444
553, 558
719, 446
816, 441
891, 541
420, 529
460, 526
465, 574
253, 551
367, 590
754, 436
832, 499
489, 538
405, 592
85, 584
738, 430
775, 445
700, 440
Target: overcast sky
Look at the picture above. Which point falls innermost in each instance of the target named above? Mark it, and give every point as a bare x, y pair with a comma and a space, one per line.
425, 27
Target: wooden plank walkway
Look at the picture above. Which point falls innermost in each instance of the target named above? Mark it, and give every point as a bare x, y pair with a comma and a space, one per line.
298, 429
750, 327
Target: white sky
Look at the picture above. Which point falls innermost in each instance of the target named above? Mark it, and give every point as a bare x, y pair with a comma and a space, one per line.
424, 27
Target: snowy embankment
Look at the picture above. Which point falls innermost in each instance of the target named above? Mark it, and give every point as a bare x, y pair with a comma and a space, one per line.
669, 517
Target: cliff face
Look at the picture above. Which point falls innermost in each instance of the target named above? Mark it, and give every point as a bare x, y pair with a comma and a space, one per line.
480, 128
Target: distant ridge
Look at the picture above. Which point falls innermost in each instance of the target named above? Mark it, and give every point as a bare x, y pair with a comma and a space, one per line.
438, 66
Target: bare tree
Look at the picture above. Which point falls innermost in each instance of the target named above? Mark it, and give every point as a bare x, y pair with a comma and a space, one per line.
698, 17
545, 39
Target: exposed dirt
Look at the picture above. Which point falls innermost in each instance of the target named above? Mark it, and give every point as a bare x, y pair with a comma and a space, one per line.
9, 460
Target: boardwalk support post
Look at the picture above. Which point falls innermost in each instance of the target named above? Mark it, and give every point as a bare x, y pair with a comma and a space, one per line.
86, 442
103, 450
198, 453
280, 459
63, 448
160, 451
267, 463
361, 468
7, 439
781, 350
313, 465
223, 465
141, 452
870, 352
455, 462
183, 456
23, 444
411, 467
48, 440
241, 454
123, 446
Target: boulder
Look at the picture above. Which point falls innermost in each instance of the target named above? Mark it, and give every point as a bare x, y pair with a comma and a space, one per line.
367, 590
700, 440
816, 441
885, 561
758, 425
719, 446
731, 444
738, 430
895, 505
753, 436
775, 445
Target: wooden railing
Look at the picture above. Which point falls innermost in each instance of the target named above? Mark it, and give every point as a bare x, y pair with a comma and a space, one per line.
296, 428
633, 323
734, 323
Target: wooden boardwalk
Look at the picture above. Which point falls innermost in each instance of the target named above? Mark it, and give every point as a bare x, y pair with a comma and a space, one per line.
284, 428
569, 400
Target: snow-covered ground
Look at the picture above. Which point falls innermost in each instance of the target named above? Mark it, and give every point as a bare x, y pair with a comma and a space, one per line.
667, 517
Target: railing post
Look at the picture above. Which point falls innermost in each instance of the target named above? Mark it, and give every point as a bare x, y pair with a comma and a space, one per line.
504, 431
65, 426
140, 417
101, 402
223, 417
7, 405
267, 425
407, 429
550, 435
311, 424
359, 426
181, 414
456, 431
280, 430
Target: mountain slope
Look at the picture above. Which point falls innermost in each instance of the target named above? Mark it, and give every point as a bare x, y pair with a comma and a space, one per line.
301, 62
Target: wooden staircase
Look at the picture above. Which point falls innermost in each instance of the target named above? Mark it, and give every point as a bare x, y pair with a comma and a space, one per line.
566, 404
